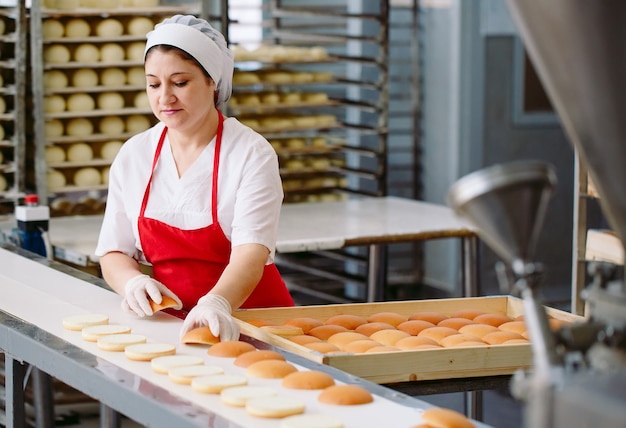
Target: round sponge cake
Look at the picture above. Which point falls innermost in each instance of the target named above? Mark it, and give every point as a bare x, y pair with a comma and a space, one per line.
311, 420
305, 323
345, 395
307, 379
164, 364
94, 332
270, 369
238, 396
148, 351
440, 417
80, 321
119, 342
347, 321
275, 406
184, 374
323, 332
230, 349
214, 384
392, 318
248, 358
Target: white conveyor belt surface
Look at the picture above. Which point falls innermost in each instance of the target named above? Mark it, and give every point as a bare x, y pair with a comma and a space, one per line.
43, 296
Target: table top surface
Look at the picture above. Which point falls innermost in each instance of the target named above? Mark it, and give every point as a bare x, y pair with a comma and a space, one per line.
310, 226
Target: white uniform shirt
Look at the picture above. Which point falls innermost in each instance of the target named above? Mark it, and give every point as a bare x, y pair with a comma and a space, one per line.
249, 191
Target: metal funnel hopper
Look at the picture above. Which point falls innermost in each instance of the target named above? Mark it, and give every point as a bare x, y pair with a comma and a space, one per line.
579, 51
507, 204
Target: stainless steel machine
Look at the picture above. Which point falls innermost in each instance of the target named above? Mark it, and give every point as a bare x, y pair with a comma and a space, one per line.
578, 47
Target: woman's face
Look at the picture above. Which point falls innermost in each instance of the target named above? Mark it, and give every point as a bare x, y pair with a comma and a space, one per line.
180, 94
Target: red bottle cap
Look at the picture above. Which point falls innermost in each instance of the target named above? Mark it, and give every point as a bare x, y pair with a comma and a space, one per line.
31, 199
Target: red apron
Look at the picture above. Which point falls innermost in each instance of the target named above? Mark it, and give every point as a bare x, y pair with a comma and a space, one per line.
189, 262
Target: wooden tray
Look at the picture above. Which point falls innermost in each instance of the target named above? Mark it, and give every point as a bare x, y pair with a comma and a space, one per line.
402, 366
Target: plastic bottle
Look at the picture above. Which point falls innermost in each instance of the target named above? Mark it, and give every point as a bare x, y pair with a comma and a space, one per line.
32, 221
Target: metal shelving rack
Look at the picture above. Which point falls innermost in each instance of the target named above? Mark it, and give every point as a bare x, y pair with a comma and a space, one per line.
356, 37
13, 117
95, 192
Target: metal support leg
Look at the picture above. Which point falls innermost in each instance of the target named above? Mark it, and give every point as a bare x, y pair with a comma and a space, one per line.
469, 261
14, 390
376, 274
43, 400
109, 418
474, 405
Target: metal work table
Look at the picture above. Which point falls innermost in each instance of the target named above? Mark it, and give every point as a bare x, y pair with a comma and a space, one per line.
367, 221
35, 296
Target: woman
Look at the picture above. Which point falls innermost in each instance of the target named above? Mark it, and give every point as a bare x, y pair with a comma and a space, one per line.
197, 196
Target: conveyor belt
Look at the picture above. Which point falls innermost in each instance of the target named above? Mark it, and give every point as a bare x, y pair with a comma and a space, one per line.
34, 298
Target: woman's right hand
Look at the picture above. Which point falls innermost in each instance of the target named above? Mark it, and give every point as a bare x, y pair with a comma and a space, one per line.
139, 289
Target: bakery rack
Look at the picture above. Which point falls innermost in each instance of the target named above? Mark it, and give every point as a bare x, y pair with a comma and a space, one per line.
94, 124
336, 55
13, 112
340, 49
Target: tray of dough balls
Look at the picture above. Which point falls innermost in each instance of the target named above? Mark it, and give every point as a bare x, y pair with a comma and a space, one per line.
387, 342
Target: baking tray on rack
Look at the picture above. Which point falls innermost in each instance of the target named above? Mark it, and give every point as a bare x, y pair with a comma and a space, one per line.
413, 365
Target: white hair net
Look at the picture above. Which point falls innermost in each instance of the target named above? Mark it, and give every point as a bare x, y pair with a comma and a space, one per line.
204, 43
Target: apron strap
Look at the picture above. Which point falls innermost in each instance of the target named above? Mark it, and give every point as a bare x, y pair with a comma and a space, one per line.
216, 161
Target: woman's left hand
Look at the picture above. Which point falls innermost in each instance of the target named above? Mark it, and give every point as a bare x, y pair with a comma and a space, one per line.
212, 311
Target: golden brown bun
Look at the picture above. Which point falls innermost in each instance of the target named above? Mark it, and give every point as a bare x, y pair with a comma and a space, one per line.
348, 321
303, 339
305, 323
325, 331
322, 347
499, 337
437, 333
493, 319
413, 327
478, 330
454, 339
392, 318
201, 336
372, 327
283, 330
412, 342
230, 349
518, 327
439, 417
309, 379
360, 346
455, 323
341, 339
426, 346
468, 313
270, 369
167, 302
260, 323
382, 348
389, 337
248, 358
430, 316
345, 395
516, 341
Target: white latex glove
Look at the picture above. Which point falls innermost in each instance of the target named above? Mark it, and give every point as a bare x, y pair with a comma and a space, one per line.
136, 293
212, 311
